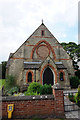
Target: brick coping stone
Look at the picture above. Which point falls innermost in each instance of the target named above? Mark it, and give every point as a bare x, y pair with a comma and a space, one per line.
25, 98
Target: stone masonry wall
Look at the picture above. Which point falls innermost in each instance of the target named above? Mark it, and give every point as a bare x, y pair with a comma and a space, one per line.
36, 48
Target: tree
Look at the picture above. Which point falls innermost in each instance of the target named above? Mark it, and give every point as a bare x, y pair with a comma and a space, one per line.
72, 49
74, 52
10, 81
4, 69
77, 73
74, 82
75, 65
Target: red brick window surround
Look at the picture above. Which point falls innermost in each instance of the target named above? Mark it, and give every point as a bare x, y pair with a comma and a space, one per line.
50, 47
43, 51
62, 76
29, 77
42, 32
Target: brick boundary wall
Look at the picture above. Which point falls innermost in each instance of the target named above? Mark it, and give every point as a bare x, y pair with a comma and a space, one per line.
35, 106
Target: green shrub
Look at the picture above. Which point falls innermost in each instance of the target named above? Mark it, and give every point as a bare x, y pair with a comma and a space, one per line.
13, 90
45, 89
30, 93
37, 89
34, 87
77, 73
71, 97
10, 81
77, 97
79, 90
2, 83
74, 82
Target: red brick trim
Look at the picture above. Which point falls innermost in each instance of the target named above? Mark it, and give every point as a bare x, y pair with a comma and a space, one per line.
52, 69
40, 46
27, 75
57, 46
41, 37
63, 74
63, 59
43, 41
51, 46
31, 58
17, 58
20, 58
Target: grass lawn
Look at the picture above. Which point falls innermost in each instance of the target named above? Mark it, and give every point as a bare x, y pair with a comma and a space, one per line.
2, 82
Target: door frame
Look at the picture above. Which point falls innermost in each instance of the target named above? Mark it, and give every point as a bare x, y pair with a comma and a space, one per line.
51, 71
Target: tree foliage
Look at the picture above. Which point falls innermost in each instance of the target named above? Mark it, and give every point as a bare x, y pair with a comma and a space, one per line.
74, 82
38, 89
74, 52
72, 49
34, 87
45, 89
77, 73
10, 81
13, 90
4, 69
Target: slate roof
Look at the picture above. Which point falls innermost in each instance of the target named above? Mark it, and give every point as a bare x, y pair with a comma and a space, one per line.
32, 65
60, 65
36, 65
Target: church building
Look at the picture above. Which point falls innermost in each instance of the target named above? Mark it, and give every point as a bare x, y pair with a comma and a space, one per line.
41, 59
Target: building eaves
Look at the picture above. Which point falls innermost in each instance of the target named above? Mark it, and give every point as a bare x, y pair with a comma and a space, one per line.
32, 65
60, 65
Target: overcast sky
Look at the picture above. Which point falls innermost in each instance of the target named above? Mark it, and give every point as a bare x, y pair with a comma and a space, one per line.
20, 18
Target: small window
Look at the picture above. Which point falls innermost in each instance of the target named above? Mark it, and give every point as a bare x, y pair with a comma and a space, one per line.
61, 76
42, 32
29, 77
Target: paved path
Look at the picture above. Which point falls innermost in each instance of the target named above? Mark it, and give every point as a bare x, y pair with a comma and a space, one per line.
71, 114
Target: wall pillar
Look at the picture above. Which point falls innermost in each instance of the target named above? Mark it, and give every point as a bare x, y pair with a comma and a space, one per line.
59, 101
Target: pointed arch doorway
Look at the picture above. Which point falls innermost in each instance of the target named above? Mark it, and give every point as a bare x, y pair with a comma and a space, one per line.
48, 76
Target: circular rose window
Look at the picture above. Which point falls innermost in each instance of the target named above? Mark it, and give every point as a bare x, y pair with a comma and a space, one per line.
43, 51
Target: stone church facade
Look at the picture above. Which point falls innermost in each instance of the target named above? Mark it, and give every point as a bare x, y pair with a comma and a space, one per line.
42, 59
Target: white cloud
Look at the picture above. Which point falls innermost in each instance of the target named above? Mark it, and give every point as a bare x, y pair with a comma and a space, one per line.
19, 18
